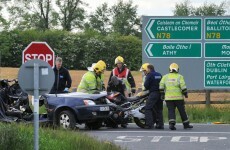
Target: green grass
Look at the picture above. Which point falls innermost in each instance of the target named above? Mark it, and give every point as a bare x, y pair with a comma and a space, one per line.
199, 114
20, 137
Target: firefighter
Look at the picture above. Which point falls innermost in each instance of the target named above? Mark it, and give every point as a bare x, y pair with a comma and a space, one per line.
89, 82
154, 101
124, 74
173, 90
100, 80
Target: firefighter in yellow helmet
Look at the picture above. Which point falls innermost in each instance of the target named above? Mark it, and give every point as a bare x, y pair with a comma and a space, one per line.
101, 78
144, 68
124, 74
173, 90
89, 81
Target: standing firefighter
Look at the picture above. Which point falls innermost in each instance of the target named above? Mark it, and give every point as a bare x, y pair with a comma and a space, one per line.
62, 78
89, 81
154, 101
173, 90
124, 74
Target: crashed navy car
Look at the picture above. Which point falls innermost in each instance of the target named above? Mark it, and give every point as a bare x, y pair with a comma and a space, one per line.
68, 110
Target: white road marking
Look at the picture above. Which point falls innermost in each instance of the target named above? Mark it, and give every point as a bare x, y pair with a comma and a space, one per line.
173, 139
166, 132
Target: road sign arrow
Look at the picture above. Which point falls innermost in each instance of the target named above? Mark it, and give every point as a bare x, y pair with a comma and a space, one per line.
149, 25
148, 50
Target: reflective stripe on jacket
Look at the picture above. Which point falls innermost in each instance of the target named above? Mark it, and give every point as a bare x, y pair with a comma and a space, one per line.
88, 83
173, 84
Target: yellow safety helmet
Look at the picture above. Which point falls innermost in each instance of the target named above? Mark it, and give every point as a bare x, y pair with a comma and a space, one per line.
144, 67
119, 59
173, 67
102, 63
98, 68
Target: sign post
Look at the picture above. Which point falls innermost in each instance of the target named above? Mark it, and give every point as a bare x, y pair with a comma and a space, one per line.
36, 77
39, 50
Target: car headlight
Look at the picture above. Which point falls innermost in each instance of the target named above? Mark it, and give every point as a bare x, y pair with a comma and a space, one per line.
89, 102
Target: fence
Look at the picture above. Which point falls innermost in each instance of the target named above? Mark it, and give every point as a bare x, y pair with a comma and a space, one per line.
221, 98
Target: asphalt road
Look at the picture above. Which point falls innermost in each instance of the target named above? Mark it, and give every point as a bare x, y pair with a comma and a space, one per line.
201, 137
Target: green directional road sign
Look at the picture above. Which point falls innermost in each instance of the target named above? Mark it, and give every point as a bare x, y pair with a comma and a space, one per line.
217, 74
217, 50
173, 50
174, 28
217, 28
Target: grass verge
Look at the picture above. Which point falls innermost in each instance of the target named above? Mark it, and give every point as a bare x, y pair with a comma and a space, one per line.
20, 137
199, 114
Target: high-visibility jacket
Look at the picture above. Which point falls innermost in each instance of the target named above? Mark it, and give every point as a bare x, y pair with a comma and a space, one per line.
100, 82
88, 83
173, 85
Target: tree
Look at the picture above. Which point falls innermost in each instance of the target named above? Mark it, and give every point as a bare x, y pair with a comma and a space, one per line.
207, 9
125, 20
210, 10
71, 14
3, 22
25, 14
183, 9
100, 19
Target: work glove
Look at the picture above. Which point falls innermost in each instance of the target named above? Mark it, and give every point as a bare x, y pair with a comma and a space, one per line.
140, 94
185, 94
66, 90
133, 90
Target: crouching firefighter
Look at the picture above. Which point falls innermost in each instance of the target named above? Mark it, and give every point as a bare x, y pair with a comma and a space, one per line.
89, 82
173, 90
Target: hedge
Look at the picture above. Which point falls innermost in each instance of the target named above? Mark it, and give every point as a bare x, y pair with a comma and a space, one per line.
78, 50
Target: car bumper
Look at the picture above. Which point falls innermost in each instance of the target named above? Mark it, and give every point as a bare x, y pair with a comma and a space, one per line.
87, 113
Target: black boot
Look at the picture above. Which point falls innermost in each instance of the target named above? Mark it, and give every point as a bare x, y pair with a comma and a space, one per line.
159, 126
172, 126
187, 126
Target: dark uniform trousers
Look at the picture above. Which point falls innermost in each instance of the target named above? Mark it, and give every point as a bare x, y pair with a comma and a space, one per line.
180, 105
153, 109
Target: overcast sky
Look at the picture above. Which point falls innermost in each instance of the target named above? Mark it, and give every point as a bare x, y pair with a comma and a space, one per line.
150, 7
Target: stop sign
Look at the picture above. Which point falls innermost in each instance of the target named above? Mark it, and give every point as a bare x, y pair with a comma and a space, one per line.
38, 50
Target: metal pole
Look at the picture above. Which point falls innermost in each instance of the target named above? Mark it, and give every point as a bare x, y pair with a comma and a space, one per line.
36, 106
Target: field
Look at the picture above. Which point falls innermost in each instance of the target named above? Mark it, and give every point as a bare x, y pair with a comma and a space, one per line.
76, 75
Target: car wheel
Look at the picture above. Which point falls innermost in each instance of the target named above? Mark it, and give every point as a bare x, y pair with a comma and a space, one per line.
66, 120
94, 125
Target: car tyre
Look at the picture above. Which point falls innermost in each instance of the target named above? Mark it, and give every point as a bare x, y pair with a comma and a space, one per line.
66, 120
94, 125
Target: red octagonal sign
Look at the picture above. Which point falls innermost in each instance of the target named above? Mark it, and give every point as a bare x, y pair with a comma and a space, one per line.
38, 50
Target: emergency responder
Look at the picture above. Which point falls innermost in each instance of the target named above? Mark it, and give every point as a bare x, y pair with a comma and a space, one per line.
173, 90
89, 82
154, 101
116, 85
100, 80
63, 80
124, 74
